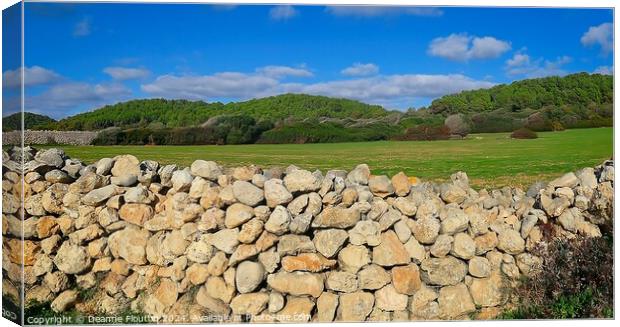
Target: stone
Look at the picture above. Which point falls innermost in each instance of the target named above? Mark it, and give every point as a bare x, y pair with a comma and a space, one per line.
249, 276
388, 299
402, 231
125, 165
401, 184
479, 267
381, 186
213, 305
250, 303
426, 230
64, 301
276, 194
237, 214
359, 175
416, 251
456, 220
527, 224
390, 252
342, 281
312, 262
71, 258
302, 181
389, 218
443, 271
296, 283
292, 244
217, 264
206, 169
365, 232
353, 257
463, 246
296, 310
406, 279
166, 292
129, 244
224, 240
58, 176
138, 194
248, 193
51, 157
104, 165
278, 221
98, 196
373, 277
270, 259
337, 217
486, 242
250, 231
510, 241
276, 302
569, 180
452, 193
218, 288
355, 307
455, 301
326, 306
329, 241
529, 264
300, 223
135, 213
489, 291
405, 206
124, 180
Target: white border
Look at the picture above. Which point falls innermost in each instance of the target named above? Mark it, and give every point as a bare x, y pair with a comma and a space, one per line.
469, 3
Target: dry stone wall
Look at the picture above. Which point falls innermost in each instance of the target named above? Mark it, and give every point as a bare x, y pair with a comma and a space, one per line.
245, 244
49, 137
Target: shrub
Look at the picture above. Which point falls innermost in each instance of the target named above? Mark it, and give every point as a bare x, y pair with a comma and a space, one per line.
424, 133
524, 133
576, 281
458, 124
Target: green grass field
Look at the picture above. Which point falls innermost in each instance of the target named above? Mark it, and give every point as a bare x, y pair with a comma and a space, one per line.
490, 160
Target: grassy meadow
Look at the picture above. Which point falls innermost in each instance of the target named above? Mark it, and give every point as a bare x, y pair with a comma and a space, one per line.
490, 160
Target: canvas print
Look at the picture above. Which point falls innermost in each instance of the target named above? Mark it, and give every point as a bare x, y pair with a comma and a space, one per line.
218, 163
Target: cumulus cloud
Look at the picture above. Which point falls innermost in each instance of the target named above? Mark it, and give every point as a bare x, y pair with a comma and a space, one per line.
82, 28
283, 12
463, 47
360, 69
35, 75
126, 73
522, 64
601, 35
604, 70
377, 89
283, 71
378, 11
70, 95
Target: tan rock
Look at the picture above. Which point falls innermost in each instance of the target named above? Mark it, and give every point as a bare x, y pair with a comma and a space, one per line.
388, 299
312, 262
443, 271
401, 184
326, 306
337, 217
455, 301
355, 307
390, 252
297, 283
296, 310
249, 303
373, 277
406, 279
136, 213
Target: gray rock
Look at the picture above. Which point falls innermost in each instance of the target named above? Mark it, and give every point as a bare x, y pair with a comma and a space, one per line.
206, 169
249, 276
247, 193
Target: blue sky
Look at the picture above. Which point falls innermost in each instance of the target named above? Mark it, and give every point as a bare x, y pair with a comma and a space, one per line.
82, 56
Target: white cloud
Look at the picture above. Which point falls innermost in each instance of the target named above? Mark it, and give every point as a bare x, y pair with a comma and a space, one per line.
601, 35
359, 69
70, 95
35, 75
463, 47
522, 64
283, 71
378, 11
126, 73
225, 85
82, 28
604, 70
378, 89
282, 12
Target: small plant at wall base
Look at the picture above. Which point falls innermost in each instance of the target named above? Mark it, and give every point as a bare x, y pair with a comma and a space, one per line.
570, 285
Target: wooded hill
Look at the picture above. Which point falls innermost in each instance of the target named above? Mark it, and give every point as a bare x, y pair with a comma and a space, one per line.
551, 103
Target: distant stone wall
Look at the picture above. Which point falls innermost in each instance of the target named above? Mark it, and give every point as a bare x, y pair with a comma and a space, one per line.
49, 137
245, 244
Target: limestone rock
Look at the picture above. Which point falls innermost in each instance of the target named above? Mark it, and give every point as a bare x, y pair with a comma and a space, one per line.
389, 299
71, 258
406, 279
390, 252
248, 193
455, 301
443, 271
296, 283
248, 276
329, 241
206, 169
